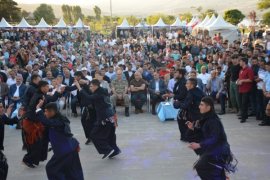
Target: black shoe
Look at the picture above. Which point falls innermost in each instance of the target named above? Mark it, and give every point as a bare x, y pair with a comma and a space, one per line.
263, 123
115, 153
154, 113
88, 142
28, 164
24, 147
222, 113
239, 117
127, 112
251, 114
243, 121
75, 115
108, 154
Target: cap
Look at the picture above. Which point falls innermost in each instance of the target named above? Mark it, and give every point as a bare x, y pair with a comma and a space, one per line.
84, 69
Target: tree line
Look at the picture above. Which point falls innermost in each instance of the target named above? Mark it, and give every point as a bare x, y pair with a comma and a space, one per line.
11, 12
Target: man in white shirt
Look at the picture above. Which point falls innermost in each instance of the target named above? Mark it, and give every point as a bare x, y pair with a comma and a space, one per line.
12, 78
111, 72
17, 90
204, 77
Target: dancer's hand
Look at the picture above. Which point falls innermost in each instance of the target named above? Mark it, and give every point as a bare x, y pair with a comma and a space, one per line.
194, 146
190, 125
40, 104
9, 109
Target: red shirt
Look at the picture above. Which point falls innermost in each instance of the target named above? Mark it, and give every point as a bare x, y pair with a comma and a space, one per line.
246, 73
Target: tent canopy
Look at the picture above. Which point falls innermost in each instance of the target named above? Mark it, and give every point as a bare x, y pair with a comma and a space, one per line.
178, 23
79, 24
4, 24
23, 24
194, 20
220, 23
160, 23
142, 25
210, 21
61, 24
124, 25
43, 24
205, 21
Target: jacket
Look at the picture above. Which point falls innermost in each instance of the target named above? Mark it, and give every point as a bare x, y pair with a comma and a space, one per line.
30, 113
152, 87
13, 89
220, 85
191, 104
60, 135
180, 90
4, 89
29, 92
101, 101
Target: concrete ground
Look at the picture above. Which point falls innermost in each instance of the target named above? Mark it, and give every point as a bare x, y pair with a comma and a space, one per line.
151, 150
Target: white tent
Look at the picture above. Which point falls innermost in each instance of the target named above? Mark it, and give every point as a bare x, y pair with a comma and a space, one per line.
160, 23
247, 23
124, 25
205, 21
23, 24
194, 21
79, 24
61, 24
177, 23
227, 30
43, 24
210, 21
142, 25
4, 24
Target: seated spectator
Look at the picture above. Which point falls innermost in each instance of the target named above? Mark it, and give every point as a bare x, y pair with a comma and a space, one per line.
111, 72
138, 94
193, 75
129, 73
215, 86
17, 91
104, 84
49, 77
157, 89
4, 91
11, 78
204, 76
120, 90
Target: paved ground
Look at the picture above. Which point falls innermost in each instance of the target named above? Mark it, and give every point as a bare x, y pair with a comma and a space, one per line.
152, 151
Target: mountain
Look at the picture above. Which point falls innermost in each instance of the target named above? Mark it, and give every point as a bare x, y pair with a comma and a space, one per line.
143, 8
57, 9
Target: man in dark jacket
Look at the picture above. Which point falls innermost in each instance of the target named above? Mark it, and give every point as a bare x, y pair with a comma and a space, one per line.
211, 144
180, 92
190, 105
34, 132
103, 134
31, 89
65, 162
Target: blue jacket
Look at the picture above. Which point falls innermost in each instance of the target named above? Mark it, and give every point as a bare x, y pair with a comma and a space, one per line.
13, 89
162, 87
60, 136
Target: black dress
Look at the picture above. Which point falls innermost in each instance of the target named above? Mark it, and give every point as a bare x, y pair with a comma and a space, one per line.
215, 154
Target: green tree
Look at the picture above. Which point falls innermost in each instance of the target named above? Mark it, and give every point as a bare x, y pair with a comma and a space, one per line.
209, 12
266, 18
263, 4
77, 13
234, 16
24, 13
186, 17
67, 13
132, 20
9, 10
97, 11
44, 11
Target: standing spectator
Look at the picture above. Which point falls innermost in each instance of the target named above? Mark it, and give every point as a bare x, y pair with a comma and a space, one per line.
215, 86
245, 82
234, 92
266, 93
